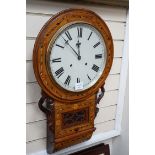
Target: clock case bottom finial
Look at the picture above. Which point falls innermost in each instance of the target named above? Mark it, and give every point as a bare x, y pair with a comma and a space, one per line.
69, 124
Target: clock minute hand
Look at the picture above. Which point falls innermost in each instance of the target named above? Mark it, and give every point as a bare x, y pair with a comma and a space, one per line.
72, 49
66, 42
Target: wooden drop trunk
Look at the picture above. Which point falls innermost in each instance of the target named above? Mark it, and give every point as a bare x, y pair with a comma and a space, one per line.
70, 123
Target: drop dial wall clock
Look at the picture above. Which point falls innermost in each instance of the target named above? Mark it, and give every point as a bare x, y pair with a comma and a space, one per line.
72, 58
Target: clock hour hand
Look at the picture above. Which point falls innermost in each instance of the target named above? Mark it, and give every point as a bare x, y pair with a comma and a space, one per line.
78, 46
66, 42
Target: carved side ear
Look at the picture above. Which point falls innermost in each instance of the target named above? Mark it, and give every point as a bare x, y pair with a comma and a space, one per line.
98, 98
46, 109
100, 95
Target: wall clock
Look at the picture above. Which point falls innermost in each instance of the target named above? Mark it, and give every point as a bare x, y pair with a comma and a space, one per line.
72, 58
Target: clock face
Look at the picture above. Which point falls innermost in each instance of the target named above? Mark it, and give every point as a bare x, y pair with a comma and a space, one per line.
77, 57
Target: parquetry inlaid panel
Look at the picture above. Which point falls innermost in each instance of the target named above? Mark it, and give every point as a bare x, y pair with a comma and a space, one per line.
75, 117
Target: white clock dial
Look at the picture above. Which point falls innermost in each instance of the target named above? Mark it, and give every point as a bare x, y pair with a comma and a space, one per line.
77, 57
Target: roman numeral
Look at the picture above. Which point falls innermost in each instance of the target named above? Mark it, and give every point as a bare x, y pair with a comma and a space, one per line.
95, 68
56, 60
98, 56
67, 80
96, 44
68, 35
78, 80
90, 35
88, 77
59, 46
59, 72
79, 32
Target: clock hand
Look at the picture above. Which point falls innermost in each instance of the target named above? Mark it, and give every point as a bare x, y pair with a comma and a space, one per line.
64, 39
66, 42
78, 46
72, 48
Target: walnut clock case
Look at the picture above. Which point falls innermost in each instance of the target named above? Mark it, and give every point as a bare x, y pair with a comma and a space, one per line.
72, 58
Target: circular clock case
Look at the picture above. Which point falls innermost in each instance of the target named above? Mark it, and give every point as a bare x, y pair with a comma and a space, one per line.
44, 50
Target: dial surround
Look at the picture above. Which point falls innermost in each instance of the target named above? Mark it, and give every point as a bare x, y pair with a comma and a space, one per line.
76, 56
48, 34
